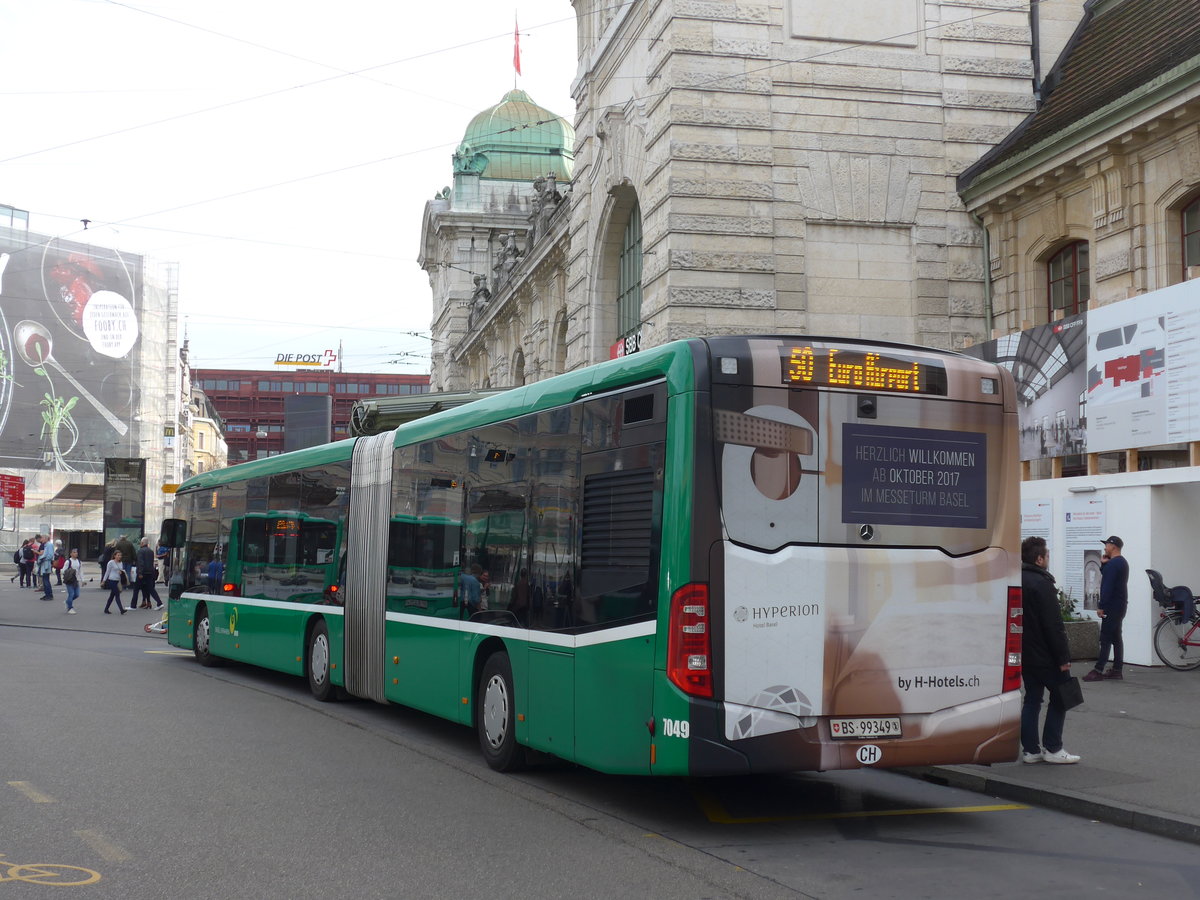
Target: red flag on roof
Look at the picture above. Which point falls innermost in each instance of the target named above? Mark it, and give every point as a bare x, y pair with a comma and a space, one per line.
516, 46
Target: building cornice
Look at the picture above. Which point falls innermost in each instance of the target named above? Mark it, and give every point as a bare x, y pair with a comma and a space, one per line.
1118, 116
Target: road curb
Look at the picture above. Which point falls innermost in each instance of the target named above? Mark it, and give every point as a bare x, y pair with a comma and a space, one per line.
1126, 815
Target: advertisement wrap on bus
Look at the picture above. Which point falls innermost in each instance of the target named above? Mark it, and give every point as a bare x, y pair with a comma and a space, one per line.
717, 556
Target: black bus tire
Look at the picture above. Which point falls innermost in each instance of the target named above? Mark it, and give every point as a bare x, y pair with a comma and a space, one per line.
317, 663
202, 638
495, 717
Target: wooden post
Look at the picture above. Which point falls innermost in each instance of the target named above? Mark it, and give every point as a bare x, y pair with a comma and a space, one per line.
1194, 453
1131, 460
1093, 463
1056, 467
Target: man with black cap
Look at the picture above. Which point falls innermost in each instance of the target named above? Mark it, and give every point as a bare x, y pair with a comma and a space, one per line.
1114, 600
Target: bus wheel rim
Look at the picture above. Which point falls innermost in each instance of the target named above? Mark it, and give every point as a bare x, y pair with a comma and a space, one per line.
319, 661
202, 635
495, 711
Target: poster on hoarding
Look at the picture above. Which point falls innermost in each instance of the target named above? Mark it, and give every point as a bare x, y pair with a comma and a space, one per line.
1143, 368
1085, 521
1037, 520
1049, 365
69, 335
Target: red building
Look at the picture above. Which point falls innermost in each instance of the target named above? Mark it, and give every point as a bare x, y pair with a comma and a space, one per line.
253, 403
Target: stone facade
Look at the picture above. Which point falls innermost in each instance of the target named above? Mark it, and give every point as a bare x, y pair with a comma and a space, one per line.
794, 166
1117, 177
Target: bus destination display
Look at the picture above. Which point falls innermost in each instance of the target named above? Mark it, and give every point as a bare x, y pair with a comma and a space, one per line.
861, 370
914, 476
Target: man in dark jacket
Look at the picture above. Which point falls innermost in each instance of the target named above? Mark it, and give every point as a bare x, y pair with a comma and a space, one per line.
1114, 602
1045, 658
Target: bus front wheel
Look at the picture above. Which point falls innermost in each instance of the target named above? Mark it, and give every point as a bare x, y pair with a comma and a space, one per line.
202, 638
495, 716
318, 667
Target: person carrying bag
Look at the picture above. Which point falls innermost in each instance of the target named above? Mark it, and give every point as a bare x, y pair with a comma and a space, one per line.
114, 572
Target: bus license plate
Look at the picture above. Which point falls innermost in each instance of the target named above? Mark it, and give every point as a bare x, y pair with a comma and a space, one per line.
862, 729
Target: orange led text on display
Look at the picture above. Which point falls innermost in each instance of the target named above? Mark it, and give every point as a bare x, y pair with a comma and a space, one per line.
840, 368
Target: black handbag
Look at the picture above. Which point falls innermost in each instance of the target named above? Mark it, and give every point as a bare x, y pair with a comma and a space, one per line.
1069, 692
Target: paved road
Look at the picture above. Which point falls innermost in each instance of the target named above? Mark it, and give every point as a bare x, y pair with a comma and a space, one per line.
122, 756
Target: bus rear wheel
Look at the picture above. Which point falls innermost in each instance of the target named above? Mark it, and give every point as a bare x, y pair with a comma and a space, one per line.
318, 667
202, 638
495, 717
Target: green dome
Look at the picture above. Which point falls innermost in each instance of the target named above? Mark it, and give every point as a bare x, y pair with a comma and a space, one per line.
516, 147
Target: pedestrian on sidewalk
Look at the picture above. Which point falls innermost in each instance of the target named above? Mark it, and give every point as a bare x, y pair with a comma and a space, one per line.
1114, 603
31, 559
1045, 658
45, 565
147, 574
105, 556
60, 557
72, 573
112, 581
23, 566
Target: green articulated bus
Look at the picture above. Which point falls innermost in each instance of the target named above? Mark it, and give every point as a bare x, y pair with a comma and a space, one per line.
721, 555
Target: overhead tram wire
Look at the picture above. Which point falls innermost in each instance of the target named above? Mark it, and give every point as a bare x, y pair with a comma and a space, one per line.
275, 93
714, 80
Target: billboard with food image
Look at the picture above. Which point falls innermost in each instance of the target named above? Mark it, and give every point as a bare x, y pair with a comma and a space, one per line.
69, 348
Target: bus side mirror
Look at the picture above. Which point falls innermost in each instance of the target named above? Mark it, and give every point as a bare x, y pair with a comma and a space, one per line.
174, 533
175, 588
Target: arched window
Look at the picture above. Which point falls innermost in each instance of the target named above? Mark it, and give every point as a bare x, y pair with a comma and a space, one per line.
1190, 223
629, 277
1069, 278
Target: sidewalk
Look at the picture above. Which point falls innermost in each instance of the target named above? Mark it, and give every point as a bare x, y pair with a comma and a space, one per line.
1136, 736
25, 606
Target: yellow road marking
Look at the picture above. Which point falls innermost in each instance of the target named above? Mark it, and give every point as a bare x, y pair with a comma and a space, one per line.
31, 792
717, 814
102, 846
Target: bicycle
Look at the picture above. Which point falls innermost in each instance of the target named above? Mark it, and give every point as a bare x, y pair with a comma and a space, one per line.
46, 873
1177, 634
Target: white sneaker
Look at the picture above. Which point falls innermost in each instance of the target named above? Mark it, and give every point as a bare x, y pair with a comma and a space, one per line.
1061, 757
1031, 757
70, 612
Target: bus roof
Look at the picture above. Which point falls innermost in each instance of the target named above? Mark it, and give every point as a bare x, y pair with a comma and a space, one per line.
339, 451
672, 361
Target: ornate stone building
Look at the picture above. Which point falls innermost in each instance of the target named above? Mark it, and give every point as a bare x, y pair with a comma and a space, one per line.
1095, 198
780, 166
495, 249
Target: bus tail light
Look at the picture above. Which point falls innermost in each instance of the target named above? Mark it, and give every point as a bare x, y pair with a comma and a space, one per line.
1014, 627
230, 589
689, 641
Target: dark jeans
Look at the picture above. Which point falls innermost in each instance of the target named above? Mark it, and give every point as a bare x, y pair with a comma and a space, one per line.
47, 591
1111, 639
1037, 682
146, 585
114, 593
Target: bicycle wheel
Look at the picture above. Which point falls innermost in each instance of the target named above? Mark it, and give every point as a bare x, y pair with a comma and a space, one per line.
1175, 642
50, 873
